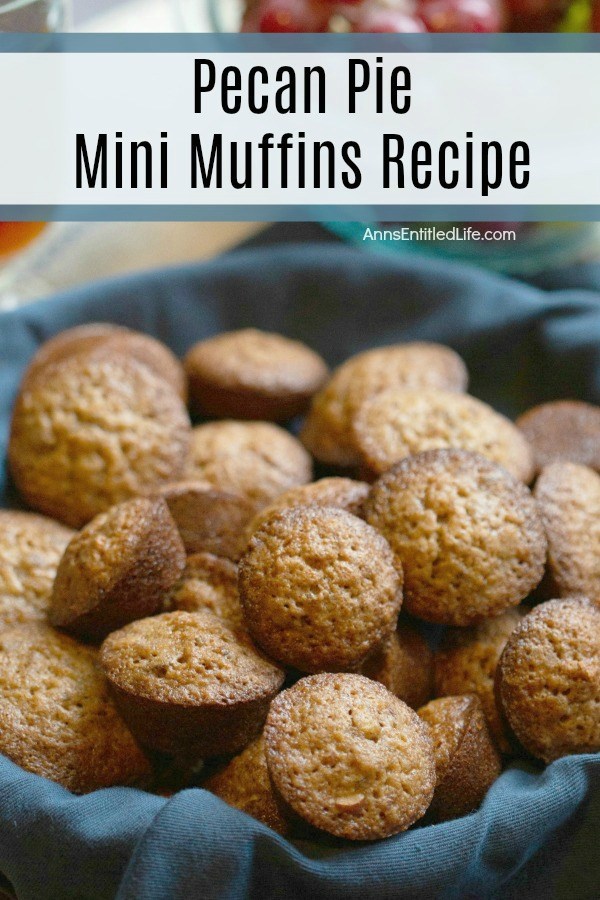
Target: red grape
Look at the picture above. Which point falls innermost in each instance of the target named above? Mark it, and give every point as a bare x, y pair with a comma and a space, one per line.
535, 15
471, 16
533, 8
407, 16
386, 21
371, 18
292, 16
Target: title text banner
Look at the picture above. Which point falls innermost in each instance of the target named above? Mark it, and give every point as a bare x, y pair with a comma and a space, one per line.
405, 132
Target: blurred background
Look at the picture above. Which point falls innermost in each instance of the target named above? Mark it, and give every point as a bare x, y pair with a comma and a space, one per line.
37, 260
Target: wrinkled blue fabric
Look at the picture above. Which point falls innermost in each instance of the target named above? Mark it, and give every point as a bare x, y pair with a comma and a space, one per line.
537, 833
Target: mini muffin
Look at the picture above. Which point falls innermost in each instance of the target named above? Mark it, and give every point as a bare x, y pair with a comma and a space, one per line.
404, 665
342, 493
119, 568
327, 431
252, 374
467, 534
30, 550
466, 661
548, 679
568, 496
256, 460
56, 716
466, 760
189, 685
209, 520
245, 784
114, 339
563, 431
319, 588
209, 583
94, 432
348, 757
400, 423
67, 343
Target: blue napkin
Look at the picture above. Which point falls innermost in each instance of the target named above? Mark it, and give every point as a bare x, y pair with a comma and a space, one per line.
537, 833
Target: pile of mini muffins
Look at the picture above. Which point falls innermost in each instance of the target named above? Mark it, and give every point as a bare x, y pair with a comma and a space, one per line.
187, 606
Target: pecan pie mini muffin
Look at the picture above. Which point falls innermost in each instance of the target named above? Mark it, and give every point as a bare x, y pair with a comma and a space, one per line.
251, 374
67, 343
568, 496
257, 460
94, 432
114, 339
56, 716
188, 685
466, 661
348, 757
31, 547
319, 588
209, 583
117, 569
327, 431
563, 431
548, 679
466, 760
209, 520
401, 423
342, 493
245, 784
468, 535
404, 665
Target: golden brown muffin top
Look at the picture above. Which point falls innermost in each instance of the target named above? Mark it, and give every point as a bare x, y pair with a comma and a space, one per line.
400, 423
349, 757
187, 659
404, 665
568, 496
258, 460
245, 784
448, 719
319, 588
30, 549
328, 428
67, 343
563, 431
466, 761
466, 661
56, 715
548, 679
209, 583
467, 534
120, 559
342, 493
209, 520
153, 354
114, 339
93, 432
256, 361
